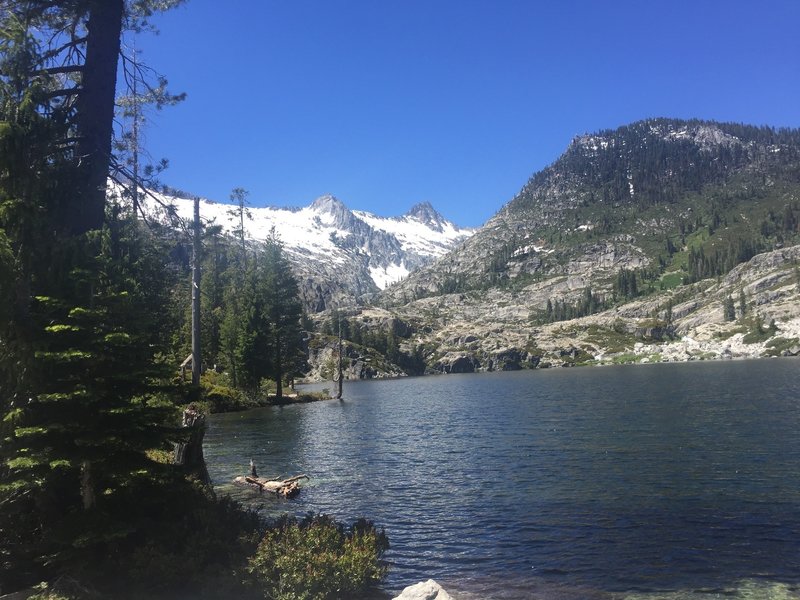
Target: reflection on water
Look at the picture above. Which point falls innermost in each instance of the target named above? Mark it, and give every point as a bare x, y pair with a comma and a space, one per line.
618, 482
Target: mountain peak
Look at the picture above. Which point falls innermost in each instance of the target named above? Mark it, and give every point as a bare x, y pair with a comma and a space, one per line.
425, 213
329, 204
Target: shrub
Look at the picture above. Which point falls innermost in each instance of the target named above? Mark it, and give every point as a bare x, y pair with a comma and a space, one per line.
318, 559
221, 398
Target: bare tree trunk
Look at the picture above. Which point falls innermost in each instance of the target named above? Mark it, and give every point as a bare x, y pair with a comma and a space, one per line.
96, 113
278, 367
339, 364
87, 486
197, 249
189, 454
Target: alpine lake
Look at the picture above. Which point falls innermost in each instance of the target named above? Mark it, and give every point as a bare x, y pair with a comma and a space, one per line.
674, 481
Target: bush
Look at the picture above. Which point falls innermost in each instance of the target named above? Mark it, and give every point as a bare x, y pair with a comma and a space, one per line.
221, 398
318, 559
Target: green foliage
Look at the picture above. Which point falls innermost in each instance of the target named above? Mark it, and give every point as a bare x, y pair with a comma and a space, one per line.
259, 331
626, 358
615, 339
562, 310
87, 409
625, 286
577, 357
728, 309
758, 332
87, 405
742, 304
191, 543
719, 261
777, 346
318, 559
671, 280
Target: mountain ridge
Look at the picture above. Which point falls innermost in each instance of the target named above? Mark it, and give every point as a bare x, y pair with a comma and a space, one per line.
339, 256
602, 180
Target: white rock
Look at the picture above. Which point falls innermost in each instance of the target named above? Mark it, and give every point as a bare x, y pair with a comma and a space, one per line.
424, 590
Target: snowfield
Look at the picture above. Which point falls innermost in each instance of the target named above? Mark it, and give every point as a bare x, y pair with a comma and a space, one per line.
328, 233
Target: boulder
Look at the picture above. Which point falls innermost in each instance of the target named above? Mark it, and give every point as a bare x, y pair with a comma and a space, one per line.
424, 590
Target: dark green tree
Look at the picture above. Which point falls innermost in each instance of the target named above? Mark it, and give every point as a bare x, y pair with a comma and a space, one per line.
728, 309
80, 385
284, 311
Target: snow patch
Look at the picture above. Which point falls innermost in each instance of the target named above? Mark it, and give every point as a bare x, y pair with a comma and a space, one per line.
386, 276
416, 236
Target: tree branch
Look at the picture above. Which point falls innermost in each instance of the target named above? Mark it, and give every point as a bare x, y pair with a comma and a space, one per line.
62, 93
74, 43
63, 69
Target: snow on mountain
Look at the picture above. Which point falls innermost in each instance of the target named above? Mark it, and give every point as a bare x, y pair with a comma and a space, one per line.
338, 254
422, 230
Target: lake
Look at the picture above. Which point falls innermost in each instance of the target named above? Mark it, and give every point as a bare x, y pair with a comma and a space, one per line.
666, 480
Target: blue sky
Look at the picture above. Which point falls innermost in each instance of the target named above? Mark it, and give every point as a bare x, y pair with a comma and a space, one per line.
385, 103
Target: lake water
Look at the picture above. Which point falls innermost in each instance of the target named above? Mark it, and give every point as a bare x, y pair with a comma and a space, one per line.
671, 480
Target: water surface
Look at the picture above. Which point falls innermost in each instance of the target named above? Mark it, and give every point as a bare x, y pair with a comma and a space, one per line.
569, 483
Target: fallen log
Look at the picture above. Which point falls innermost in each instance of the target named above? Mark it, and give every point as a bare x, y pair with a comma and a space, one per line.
281, 487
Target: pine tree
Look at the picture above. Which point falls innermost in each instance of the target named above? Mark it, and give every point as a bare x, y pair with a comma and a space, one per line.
728, 309
80, 385
284, 312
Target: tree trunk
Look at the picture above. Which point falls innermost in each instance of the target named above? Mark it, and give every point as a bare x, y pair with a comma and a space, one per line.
278, 367
196, 250
95, 116
87, 486
189, 454
339, 373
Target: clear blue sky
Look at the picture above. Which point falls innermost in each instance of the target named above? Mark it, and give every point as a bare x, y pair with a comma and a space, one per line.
385, 103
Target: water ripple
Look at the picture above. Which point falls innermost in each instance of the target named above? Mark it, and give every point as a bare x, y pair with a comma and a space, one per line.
559, 484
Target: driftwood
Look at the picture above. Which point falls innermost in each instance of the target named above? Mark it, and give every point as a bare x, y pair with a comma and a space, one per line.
282, 487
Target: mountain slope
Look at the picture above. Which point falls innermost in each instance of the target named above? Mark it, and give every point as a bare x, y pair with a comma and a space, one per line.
638, 197
632, 232
339, 256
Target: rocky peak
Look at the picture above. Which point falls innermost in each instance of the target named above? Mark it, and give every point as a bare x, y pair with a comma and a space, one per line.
426, 214
329, 204
333, 212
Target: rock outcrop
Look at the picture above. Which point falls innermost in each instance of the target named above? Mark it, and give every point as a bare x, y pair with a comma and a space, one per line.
424, 590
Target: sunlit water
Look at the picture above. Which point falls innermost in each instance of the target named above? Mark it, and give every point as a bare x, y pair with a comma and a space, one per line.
681, 479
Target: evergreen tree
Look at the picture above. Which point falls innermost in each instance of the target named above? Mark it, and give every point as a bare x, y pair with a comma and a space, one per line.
728, 309
240, 213
261, 331
80, 384
284, 312
213, 290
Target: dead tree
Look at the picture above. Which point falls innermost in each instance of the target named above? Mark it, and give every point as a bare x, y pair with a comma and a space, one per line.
189, 453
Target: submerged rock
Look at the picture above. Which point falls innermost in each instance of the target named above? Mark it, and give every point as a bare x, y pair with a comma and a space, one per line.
424, 590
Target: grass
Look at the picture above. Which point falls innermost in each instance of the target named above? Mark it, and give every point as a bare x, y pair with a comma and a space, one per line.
626, 358
672, 279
